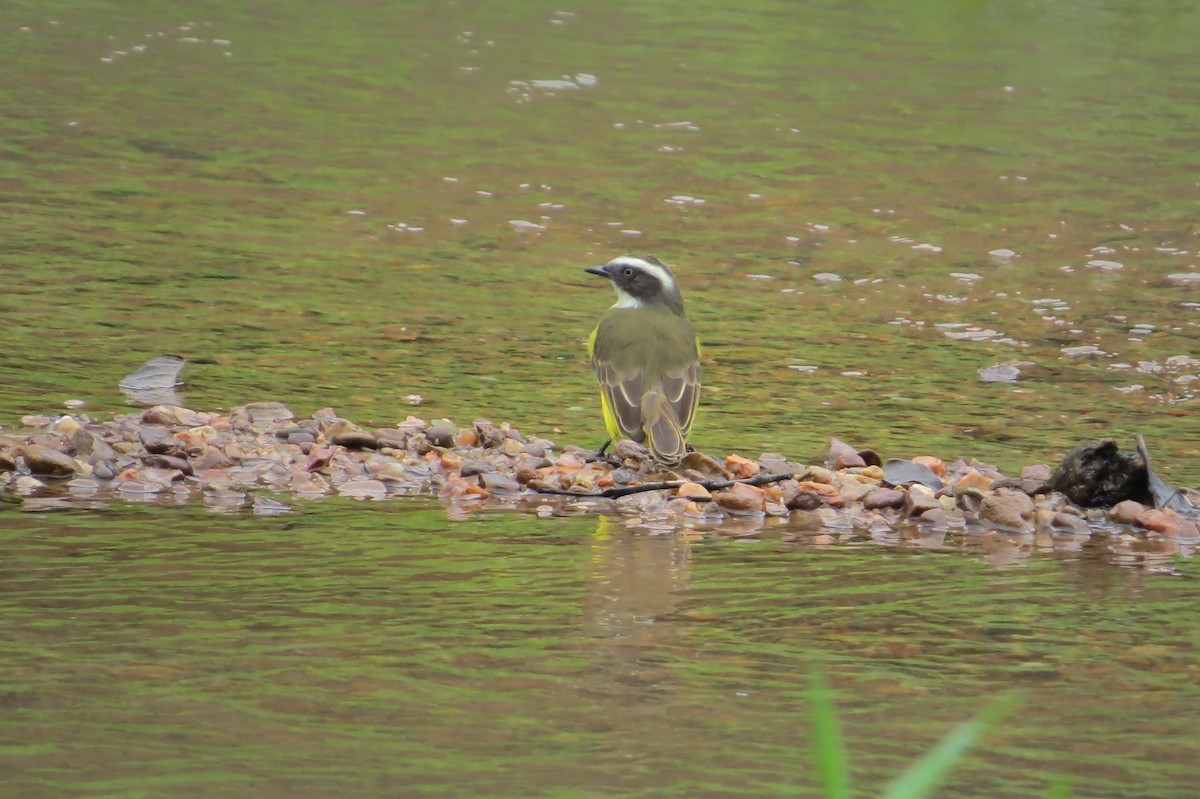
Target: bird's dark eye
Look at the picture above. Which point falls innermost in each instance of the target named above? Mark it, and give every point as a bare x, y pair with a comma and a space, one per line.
628, 271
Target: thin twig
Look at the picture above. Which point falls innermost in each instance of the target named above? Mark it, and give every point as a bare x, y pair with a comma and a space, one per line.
709, 485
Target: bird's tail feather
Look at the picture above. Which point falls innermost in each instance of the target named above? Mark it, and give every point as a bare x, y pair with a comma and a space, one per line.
664, 437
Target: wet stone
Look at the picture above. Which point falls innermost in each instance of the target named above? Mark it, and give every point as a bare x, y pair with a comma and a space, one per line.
474, 467
159, 441
1126, 511
802, 499
1009, 508
495, 482
697, 465
354, 439
441, 433
883, 498
1067, 521
47, 462
741, 497
919, 499
168, 462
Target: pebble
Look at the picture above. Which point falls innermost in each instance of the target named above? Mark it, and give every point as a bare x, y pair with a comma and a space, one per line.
919, 498
741, 497
694, 491
167, 453
740, 467
883, 498
1010, 509
47, 462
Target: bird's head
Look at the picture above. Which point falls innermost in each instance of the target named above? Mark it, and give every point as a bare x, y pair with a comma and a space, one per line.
641, 281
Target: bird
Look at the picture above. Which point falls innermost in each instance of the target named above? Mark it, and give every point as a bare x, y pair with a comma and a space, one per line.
647, 359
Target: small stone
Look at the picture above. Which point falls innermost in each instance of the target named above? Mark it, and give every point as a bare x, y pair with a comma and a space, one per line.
935, 465
354, 439
441, 433
819, 474
840, 455
1038, 471
873, 472
27, 484
740, 467
361, 488
626, 450
973, 479
569, 462
741, 497
1164, 522
467, 437
301, 436
490, 436
870, 457
934, 516
47, 462
473, 467
512, 447
168, 462
693, 491
141, 487
703, 467
883, 498
158, 415
67, 426
211, 458
1009, 508
1126, 511
919, 499
805, 520
852, 490
158, 440
848, 461
1070, 522
104, 470
526, 473
266, 414
496, 482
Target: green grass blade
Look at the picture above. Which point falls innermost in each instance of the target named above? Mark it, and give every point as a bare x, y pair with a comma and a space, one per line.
921, 777
829, 752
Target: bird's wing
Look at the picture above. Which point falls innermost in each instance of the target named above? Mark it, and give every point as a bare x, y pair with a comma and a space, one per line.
682, 389
622, 392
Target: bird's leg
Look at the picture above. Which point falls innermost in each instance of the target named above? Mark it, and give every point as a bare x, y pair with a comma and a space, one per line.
601, 455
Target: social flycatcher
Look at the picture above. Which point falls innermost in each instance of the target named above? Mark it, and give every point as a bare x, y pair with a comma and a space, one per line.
646, 358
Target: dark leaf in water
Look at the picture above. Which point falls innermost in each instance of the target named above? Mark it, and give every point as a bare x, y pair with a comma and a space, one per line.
898, 472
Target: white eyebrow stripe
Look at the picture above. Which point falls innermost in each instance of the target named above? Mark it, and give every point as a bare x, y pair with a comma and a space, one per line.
663, 276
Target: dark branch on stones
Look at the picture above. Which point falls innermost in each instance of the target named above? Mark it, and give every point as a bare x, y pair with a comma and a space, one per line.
708, 485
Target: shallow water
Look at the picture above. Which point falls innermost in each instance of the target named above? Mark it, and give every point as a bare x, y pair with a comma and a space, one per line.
356, 207
374, 651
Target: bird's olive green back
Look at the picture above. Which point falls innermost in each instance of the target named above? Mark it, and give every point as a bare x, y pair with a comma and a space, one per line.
651, 340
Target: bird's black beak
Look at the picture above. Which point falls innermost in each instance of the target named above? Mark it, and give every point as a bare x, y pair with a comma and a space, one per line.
602, 271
